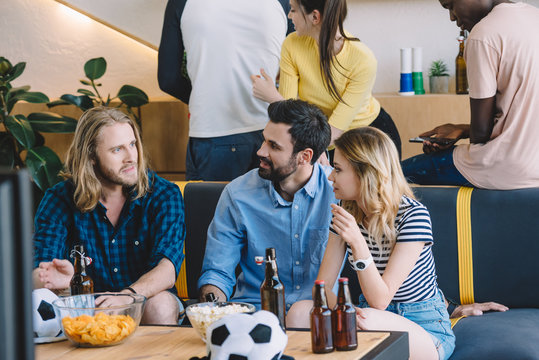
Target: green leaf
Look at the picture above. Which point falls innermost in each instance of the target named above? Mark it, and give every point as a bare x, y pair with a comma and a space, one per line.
7, 150
85, 92
85, 82
44, 165
20, 128
83, 101
15, 71
132, 96
57, 102
32, 97
49, 122
14, 92
95, 68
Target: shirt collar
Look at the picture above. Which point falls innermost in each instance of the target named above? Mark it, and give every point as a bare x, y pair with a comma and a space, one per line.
310, 188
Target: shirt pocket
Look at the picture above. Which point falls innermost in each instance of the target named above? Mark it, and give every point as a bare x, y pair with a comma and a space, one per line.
318, 239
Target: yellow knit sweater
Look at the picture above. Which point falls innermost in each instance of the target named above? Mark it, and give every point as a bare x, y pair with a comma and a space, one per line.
301, 77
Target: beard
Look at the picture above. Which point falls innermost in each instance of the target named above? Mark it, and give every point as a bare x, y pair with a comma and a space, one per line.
118, 178
277, 175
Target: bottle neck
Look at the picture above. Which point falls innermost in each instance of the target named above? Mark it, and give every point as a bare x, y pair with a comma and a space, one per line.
79, 265
343, 296
320, 299
271, 268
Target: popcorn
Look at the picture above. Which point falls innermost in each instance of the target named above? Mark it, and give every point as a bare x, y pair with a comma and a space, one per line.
203, 316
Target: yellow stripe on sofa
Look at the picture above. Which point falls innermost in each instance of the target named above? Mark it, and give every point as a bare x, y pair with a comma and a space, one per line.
181, 281
464, 238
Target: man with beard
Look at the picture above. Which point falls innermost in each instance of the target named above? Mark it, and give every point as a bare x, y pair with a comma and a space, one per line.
284, 205
129, 220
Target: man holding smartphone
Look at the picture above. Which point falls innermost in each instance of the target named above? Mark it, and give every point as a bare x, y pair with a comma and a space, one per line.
502, 75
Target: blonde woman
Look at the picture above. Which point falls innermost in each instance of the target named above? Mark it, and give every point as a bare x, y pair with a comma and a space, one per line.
386, 235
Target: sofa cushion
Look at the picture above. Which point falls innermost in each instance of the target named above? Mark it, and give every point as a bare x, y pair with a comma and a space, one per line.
504, 229
498, 336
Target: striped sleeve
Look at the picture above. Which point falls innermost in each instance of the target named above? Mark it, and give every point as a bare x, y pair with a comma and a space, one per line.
415, 224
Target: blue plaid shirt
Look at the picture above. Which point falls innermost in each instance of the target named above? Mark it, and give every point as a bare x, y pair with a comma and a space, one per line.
149, 229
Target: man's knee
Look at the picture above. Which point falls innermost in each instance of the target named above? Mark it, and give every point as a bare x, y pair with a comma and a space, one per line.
162, 308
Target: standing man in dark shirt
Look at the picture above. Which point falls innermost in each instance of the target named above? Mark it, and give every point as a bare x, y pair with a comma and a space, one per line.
129, 220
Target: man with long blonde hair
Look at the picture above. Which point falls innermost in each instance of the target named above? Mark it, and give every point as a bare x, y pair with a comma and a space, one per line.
129, 220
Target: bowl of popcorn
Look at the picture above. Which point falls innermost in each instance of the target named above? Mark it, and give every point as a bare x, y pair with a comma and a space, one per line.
100, 319
202, 315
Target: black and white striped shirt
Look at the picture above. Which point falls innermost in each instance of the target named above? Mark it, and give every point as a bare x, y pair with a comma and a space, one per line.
412, 224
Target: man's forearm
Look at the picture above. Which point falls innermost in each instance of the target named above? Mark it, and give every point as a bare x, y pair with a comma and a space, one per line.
160, 278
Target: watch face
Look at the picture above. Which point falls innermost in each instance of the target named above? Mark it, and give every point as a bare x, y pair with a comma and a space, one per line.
360, 265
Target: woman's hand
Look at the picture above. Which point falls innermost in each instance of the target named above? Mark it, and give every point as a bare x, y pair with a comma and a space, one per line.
264, 88
323, 160
346, 226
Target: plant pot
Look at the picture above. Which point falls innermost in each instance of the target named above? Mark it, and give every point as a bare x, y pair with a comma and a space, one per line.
439, 84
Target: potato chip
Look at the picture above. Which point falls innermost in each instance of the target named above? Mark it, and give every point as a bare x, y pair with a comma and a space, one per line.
100, 329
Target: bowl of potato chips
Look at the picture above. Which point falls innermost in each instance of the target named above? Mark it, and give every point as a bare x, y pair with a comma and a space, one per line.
100, 319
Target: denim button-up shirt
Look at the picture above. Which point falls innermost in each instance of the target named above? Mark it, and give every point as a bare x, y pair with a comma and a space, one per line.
250, 217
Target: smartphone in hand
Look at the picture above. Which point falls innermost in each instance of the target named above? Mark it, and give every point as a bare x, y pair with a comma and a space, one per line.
434, 140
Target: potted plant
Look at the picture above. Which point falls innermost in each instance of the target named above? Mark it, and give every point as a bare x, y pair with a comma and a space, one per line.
439, 77
21, 143
129, 96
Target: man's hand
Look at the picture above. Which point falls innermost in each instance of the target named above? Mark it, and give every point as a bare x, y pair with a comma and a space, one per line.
109, 301
56, 274
477, 309
206, 289
446, 131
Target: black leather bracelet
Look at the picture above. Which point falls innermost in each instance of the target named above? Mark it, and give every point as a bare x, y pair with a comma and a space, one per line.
130, 289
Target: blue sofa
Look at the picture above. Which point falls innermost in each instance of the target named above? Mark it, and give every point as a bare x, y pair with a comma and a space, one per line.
486, 244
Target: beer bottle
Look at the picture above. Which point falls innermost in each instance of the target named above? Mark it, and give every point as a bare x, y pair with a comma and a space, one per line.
272, 289
80, 283
344, 319
321, 333
460, 71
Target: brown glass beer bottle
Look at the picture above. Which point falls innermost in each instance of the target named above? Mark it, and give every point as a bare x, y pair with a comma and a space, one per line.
321, 333
344, 319
460, 67
80, 283
272, 289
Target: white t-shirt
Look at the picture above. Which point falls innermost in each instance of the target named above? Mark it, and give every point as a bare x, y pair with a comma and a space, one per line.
502, 58
226, 42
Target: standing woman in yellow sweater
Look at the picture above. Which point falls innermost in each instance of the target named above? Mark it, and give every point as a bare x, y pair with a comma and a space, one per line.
326, 66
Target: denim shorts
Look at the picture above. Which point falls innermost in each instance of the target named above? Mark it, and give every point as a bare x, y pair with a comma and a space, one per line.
431, 315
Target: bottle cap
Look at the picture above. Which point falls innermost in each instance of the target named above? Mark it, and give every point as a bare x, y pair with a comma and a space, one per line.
343, 280
319, 282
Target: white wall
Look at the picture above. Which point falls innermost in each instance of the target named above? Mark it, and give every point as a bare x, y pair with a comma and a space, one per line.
56, 41
388, 25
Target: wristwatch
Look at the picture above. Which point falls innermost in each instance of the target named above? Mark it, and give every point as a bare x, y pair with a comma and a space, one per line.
361, 264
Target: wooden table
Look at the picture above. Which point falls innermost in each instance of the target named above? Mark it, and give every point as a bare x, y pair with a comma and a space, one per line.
165, 342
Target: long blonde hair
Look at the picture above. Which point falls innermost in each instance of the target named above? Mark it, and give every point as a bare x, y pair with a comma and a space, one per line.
375, 161
79, 161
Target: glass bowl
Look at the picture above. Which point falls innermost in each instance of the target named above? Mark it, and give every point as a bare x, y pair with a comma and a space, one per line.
202, 315
87, 324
